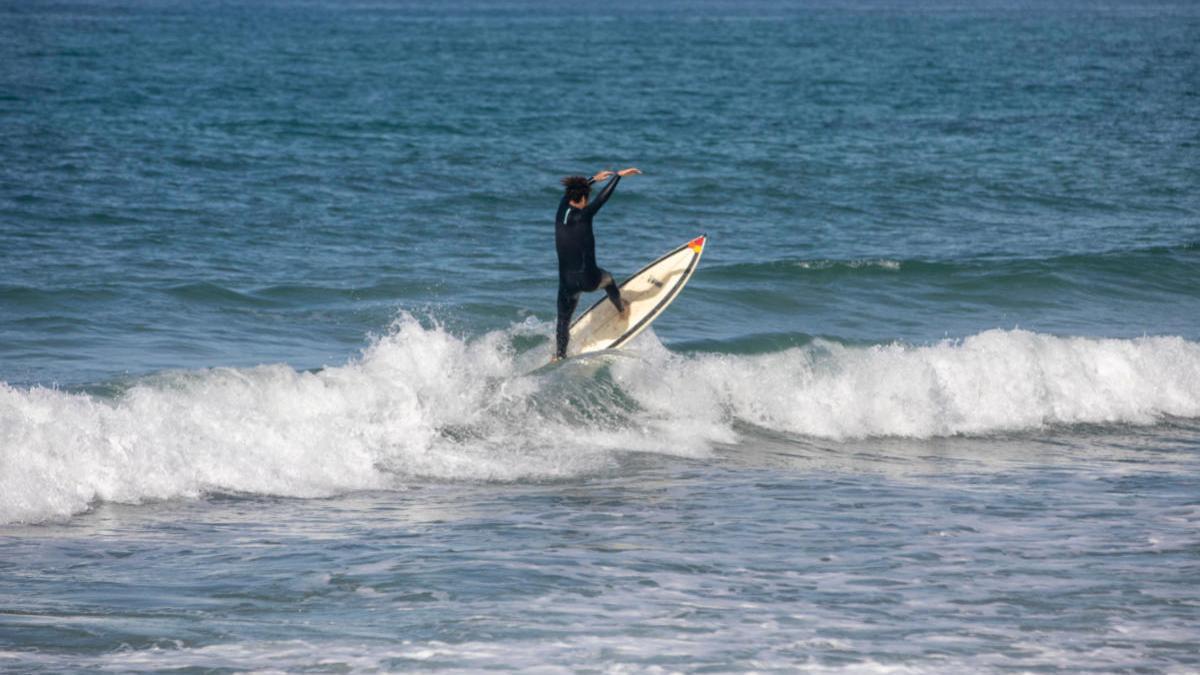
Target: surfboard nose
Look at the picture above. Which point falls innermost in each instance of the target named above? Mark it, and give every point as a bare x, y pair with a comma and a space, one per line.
697, 244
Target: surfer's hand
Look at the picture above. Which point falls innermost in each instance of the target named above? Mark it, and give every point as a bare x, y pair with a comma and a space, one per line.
603, 175
631, 171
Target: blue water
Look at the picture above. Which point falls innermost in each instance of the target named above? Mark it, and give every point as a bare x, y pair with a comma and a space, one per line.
274, 277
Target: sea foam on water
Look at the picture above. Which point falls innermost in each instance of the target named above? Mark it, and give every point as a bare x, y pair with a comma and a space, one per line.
423, 403
995, 381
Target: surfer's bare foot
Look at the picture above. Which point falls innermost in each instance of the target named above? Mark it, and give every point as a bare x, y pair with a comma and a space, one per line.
624, 313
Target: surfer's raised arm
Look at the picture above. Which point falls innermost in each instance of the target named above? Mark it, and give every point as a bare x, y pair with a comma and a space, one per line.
595, 204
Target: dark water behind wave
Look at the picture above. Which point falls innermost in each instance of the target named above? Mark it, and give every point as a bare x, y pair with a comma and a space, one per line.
416, 150
1149, 291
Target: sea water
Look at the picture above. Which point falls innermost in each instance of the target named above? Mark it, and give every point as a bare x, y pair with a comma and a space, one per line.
277, 282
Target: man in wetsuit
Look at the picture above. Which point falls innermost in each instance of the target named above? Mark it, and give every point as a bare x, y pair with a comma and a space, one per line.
577, 269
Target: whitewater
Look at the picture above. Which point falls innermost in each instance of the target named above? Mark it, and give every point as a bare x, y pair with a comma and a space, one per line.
422, 402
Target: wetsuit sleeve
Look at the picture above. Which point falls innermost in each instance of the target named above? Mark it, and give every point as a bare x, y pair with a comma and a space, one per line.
560, 215
595, 204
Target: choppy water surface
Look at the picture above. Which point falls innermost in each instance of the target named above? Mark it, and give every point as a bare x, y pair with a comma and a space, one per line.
866, 557
276, 281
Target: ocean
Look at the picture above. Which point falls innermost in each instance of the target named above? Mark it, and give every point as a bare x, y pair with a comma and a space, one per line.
277, 280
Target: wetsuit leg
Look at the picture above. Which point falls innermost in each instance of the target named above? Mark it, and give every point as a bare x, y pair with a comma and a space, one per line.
568, 299
610, 288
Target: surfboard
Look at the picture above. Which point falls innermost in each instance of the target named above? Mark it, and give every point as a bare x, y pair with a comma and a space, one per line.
648, 292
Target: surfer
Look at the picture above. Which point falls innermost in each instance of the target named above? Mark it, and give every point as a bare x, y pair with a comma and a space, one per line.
577, 269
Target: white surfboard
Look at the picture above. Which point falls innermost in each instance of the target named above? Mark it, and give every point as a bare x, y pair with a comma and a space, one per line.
647, 293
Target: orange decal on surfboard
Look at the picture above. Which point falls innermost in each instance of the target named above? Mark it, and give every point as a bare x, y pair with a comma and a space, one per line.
697, 244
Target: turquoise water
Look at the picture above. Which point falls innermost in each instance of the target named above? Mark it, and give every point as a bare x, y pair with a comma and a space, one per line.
273, 279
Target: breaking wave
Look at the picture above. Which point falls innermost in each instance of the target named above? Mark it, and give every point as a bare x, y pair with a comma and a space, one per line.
422, 403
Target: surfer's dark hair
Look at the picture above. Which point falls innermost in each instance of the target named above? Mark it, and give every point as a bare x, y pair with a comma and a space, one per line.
577, 186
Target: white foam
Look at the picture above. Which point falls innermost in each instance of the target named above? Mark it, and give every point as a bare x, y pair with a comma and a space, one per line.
421, 402
991, 382
881, 263
605, 652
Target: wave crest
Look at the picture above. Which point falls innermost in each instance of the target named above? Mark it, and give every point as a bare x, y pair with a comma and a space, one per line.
996, 381
421, 402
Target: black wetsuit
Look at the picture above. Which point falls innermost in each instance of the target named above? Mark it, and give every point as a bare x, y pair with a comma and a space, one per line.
577, 269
